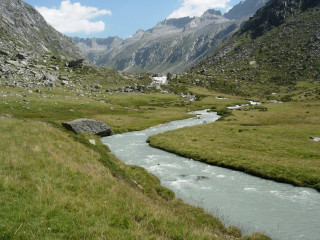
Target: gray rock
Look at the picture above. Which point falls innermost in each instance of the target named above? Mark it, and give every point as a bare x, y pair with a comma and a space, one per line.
92, 141
202, 178
315, 139
12, 62
64, 82
56, 68
21, 56
7, 115
76, 63
96, 86
4, 53
51, 77
65, 78
85, 125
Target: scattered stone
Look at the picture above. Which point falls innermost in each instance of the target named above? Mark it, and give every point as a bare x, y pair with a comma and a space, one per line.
184, 175
189, 97
274, 101
63, 82
56, 68
48, 76
315, 139
4, 53
202, 178
92, 141
7, 115
21, 56
63, 78
96, 86
84, 125
12, 62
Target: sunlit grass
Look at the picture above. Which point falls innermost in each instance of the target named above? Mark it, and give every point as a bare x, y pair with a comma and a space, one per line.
53, 186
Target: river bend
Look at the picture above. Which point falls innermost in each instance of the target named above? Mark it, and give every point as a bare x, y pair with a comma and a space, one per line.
281, 211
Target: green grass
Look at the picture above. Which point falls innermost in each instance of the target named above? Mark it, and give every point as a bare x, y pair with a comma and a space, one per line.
54, 185
122, 112
272, 144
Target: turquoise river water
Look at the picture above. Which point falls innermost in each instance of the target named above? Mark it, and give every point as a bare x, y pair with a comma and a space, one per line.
281, 211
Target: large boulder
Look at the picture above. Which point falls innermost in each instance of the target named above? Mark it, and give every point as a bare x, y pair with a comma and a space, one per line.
76, 63
84, 125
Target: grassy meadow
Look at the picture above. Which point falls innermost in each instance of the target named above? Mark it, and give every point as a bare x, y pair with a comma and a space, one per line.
56, 185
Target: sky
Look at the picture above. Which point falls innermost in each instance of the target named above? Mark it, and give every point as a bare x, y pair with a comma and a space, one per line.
122, 18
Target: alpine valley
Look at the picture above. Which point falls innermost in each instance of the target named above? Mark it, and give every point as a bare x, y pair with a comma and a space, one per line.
256, 68
173, 45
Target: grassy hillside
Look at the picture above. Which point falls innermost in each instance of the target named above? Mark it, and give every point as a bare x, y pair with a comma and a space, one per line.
55, 185
276, 60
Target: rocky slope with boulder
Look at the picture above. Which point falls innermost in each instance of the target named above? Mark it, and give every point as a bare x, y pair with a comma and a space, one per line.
23, 29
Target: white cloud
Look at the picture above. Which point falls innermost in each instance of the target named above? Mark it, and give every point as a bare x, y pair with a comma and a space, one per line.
193, 8
74, 18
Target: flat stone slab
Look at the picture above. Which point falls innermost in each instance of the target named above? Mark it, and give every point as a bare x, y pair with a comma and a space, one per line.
84, 125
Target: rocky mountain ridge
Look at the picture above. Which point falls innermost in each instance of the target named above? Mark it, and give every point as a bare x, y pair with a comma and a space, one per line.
23, 29
244, 9
35, 58
277, 51
171, 46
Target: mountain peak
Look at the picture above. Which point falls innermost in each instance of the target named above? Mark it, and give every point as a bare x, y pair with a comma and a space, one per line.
212, 12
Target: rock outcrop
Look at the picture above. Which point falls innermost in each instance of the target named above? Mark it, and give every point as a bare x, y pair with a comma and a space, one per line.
274, 14
91, 126
244, 9
22, 28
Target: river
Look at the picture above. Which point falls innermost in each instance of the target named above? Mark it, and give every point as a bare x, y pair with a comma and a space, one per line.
282, 211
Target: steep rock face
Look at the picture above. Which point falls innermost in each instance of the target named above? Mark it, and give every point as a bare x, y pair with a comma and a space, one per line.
244, 9
275, 50
173, 45
97, 44
274, 14
23, 28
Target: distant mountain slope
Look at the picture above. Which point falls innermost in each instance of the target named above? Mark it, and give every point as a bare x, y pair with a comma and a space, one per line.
172, 45
22, 27
275, 50
244, 9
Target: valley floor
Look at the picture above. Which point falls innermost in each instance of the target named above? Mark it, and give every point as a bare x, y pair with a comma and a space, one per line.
272, 141
56, 185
